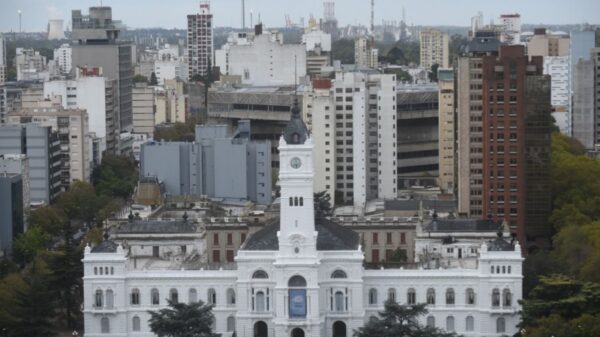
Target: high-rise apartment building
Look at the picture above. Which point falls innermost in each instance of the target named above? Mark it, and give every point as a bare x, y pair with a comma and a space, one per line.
365, 52
31, 65
2, 63
510, 28
143, 109
11, 217
200, 40
446, 130
516, 128
97, 45
543, 43
581, 44
18, 164
42, 147
560, 71
434, 48
62, 57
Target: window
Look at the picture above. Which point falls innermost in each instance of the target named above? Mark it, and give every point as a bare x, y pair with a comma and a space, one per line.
375, 255
375, 238
216, 255
430, 322
229, 238
99, 299
230, 296
136, 323
430, 296
230, 323
392, 294
260, 301
104, 325
155, 251
155, 297
109, 299
192, 296
470, 323
470, 296
496, 298
450, 323
260, 274
403, 238
339, 274
229, 255
500, 325
388, 238
411, 296
212, 296
215, 238
339, 301
450, 296
135, 297
506, 298
372, 296
174, 296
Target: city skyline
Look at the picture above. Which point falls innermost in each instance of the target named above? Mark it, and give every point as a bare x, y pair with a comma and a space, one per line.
36, 13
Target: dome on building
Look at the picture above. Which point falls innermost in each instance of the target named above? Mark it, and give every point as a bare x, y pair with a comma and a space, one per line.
500, 245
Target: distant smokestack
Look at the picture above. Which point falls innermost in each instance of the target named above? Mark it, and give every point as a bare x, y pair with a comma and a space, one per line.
243, 14
20, 26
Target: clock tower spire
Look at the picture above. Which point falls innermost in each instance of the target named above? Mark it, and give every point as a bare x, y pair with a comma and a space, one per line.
297, 235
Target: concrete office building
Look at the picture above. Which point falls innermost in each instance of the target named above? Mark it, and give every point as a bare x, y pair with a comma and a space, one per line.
217, 164
62, 57
544, 43
365, 53
200, 48
581, 43
18, 164
171, 103
583, 103
42, 147
318, 49
516, 142
595, 56
97, 95
447, 132
11, 217
31, 66
3, 63
560, 72
144, 109
72, 128
97, 45
263, 60
434, 48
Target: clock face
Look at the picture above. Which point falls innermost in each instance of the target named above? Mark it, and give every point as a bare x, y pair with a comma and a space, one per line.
295, 163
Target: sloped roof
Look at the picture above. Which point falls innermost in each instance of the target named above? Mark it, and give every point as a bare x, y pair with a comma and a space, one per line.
106, 246
331, 236
500, 245
463, 225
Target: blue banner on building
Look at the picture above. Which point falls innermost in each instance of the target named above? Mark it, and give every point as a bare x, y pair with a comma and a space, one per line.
297, 303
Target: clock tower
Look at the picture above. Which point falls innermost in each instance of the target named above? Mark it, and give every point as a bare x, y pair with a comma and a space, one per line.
297, 235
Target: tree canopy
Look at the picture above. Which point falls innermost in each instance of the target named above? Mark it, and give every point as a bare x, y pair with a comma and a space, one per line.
322, 202
183, 320
399, 320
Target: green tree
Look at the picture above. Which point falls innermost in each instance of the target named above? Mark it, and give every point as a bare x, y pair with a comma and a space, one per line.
343, 50
116, 176
153, 79
183, 320
140, 78
557, 303
29, 244
433, 73
79, 202
399, 320
577, 249
49, 219
322, 202
399, 256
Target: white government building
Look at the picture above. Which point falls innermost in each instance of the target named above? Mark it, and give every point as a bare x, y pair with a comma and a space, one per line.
297, 277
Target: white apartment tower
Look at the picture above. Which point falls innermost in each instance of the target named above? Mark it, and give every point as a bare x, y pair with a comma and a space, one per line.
62, 57
200, 40
434, 48
510, 25
365, 53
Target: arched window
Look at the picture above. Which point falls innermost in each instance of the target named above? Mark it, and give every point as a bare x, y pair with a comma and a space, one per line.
470, 323
392, 294
104, 325
260, 274
230, 297
449, 296
173, 295
372, 296
411, 296
500, 325
297, 281
492, 270
470, 296
301, 201
95, 270
212, 296
509, 269
430, 296
295, 201
260, 301
105, 270
154, 297
450, 323
497, 269
230, 323
109, 299
506, 298
339, 274
503, 269
135, 296
496, 298
192, 295
112, 270
261, 329
136, 323
339, 329
99, 302
430, 321
291, 201
339, 301
101, 271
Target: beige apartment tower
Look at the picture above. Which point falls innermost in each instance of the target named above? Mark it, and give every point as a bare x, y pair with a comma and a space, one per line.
434, 48
446, 130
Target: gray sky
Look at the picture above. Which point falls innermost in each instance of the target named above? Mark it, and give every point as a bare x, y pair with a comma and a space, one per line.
171, 13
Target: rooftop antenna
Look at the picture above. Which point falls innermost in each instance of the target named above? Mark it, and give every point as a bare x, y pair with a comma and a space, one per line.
20, 26
296, 77
372, 16
243, 14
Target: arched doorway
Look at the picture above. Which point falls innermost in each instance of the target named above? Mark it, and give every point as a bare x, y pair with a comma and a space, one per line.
339, 329
261, 329
297, 332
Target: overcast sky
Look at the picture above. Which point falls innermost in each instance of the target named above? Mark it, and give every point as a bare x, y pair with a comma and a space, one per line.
171, 13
